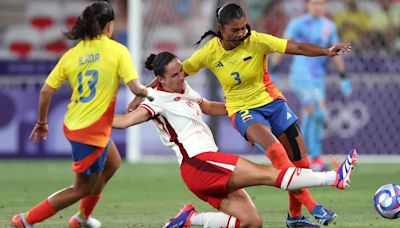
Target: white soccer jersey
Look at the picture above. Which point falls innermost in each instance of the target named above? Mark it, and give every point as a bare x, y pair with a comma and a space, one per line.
179, 122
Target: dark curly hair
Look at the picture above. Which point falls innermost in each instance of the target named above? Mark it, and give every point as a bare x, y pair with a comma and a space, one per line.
92, 21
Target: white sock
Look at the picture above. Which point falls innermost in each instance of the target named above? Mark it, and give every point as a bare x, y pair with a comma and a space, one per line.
297, 178
213, 219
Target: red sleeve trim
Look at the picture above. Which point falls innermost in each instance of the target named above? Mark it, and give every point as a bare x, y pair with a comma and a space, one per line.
149, 109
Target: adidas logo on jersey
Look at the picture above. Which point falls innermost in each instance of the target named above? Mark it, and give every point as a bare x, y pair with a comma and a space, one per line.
219, 64
288, 115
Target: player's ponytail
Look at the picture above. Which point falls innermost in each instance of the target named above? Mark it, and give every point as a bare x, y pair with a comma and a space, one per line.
224, 15
149, 62
158, 62
209, 32
92, 21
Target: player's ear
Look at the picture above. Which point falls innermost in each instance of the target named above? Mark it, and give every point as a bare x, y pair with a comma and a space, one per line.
160, 79
219, 26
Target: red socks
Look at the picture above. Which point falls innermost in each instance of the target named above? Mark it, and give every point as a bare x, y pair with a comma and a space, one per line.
40, 212
45, 210
295, 204
87, 205
277, 154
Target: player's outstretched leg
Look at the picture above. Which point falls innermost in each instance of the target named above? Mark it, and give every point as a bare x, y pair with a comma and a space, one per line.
297, 178
182, 219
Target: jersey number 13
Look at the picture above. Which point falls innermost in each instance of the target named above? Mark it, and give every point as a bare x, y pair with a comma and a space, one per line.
91, 84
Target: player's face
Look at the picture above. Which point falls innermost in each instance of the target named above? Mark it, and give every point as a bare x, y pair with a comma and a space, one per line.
234, 31
316, 7
174, 77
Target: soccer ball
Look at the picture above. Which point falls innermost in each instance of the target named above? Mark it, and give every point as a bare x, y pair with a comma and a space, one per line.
387, 201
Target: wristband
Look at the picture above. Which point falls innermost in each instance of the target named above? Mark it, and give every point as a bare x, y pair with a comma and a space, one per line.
150, 94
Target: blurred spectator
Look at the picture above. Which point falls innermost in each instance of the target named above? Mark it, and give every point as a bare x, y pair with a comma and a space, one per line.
162, 14
352, 25
121, 21
395, 17
273, 19
384, 25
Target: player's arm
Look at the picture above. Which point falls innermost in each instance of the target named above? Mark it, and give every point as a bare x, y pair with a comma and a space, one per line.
135, 117
138, 89
139, 99
213, 108
307, 49
40, 129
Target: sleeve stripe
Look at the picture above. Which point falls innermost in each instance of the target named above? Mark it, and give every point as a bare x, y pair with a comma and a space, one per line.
148, 108
200, 101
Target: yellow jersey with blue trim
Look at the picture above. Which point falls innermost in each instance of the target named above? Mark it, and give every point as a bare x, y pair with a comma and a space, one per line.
94, 69
242, 71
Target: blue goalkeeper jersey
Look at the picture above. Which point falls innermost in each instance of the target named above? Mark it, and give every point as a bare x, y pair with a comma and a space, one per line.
318, 31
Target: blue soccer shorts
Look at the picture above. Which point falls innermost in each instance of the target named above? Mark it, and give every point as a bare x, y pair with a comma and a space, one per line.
88, 159
277, 115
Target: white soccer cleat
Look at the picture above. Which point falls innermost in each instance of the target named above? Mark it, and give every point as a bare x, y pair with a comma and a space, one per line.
78, 222
343, 172
93, 223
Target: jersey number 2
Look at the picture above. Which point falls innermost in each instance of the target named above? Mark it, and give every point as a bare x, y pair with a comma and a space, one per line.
91, 83
236, 76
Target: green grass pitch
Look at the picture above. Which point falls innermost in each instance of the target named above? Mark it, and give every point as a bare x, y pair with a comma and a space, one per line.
147, 195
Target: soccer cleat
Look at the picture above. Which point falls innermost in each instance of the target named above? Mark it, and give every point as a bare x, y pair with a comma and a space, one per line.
301, 221
343, 172
77, 222
182, 219
322, 215
18, 221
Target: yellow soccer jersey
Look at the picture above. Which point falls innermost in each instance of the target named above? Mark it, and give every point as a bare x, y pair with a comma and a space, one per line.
242, 71
94, 69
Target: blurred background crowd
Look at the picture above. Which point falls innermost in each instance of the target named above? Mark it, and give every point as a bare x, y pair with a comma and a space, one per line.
372, 26
31, 41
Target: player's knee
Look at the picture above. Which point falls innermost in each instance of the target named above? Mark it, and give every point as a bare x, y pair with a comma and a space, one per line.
83, 190
113, 162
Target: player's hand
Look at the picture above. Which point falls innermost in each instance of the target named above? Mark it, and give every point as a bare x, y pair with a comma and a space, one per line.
39, 131
339, 49
134, 103
345, 87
